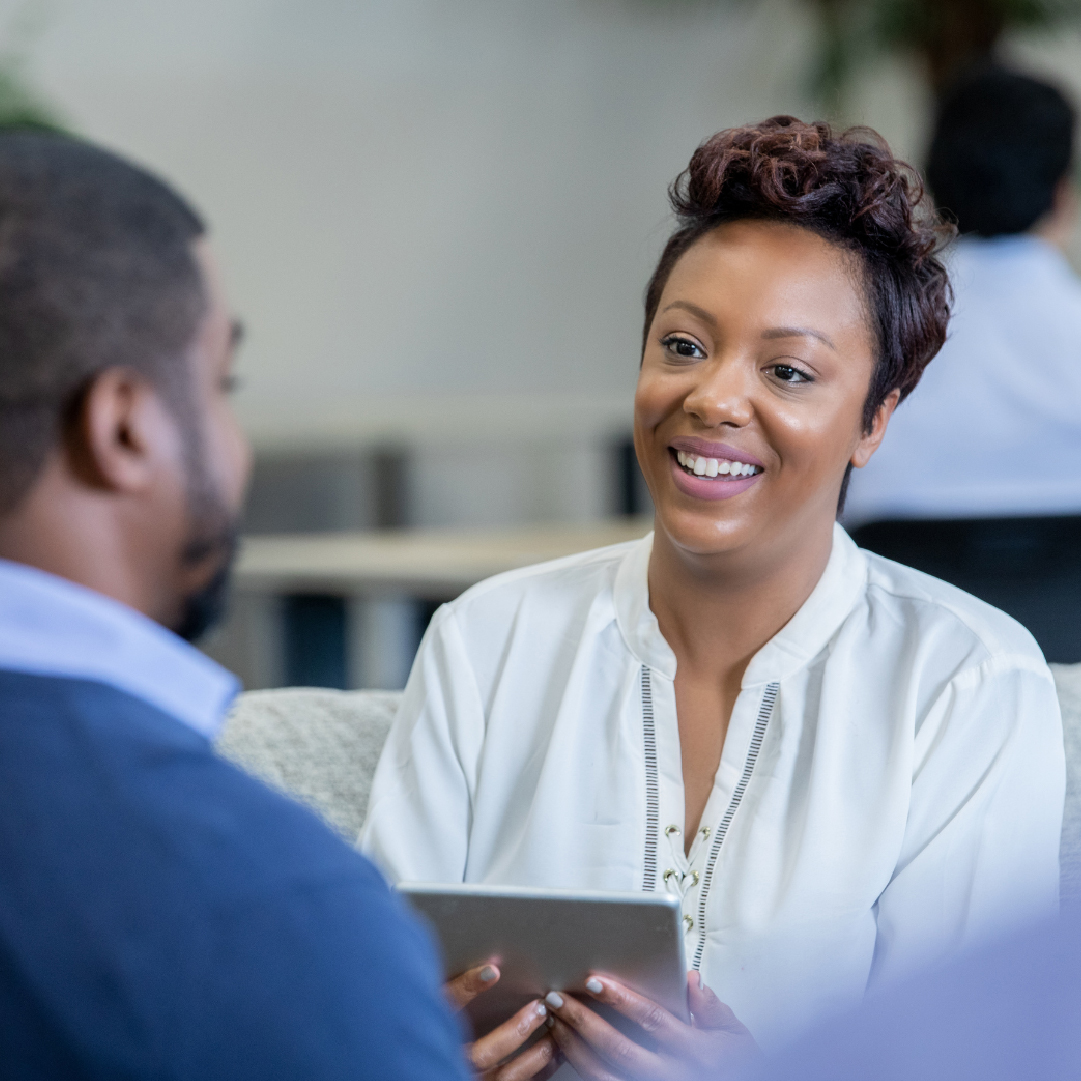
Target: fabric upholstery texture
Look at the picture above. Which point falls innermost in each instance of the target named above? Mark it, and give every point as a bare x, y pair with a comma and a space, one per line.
1068, 681
318, 746
321, 747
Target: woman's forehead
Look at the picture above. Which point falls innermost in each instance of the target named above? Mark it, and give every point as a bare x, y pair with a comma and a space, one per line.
770, 272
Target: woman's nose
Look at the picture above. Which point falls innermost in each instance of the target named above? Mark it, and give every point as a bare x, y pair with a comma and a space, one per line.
721, 396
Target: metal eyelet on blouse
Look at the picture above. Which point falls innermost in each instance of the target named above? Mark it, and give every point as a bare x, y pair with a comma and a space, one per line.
670, 873
705, 831
671, 831
689, 923
694, 879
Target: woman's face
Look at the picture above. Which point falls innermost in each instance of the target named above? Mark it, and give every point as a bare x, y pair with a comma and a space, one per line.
760, 354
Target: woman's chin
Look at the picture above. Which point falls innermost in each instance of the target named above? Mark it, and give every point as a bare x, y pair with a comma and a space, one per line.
712, 529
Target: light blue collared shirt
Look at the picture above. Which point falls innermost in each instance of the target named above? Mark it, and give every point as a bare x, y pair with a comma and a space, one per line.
52, 627
994, 428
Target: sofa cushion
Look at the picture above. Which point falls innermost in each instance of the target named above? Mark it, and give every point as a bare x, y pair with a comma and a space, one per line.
316, 745
1068, 681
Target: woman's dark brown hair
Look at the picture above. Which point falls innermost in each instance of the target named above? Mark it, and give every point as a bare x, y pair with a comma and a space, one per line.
848, 189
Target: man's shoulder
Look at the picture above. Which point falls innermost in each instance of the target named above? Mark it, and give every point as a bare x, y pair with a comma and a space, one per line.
104, 770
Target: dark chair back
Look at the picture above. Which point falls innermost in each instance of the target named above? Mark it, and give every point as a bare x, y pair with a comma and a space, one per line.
1028, 567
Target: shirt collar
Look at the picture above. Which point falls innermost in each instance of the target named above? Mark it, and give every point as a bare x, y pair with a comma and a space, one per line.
52, 627
800, 640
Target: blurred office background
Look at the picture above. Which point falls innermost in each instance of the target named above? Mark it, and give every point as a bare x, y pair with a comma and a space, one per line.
436, 218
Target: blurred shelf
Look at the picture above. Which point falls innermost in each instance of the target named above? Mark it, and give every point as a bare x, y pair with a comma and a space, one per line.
431, 565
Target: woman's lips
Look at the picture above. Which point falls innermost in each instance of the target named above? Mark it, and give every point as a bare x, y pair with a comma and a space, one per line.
703, 448
703, 487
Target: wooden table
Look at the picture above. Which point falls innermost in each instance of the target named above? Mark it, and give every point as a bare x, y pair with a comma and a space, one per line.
379, 578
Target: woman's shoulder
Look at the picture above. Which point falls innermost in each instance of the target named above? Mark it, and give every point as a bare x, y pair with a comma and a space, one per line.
957, 624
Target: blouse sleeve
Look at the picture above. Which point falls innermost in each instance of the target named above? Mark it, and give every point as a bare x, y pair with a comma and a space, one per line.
419, 813
981, 844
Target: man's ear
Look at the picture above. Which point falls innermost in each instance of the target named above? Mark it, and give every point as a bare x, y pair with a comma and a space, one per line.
869, 441
122, 433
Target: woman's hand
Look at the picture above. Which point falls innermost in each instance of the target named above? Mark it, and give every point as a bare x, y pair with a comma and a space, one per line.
714, 1040
486, 1054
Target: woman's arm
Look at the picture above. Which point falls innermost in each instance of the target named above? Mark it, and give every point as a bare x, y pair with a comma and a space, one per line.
419, 819
980, 849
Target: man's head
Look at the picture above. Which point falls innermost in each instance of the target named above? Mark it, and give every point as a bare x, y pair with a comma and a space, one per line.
1001, 152
121, 464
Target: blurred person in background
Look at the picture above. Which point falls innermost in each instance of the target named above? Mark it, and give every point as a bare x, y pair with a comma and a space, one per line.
161, 914
844, 768
995, 427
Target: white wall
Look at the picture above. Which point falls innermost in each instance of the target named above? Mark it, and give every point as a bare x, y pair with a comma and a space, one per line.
420, 202
421, 198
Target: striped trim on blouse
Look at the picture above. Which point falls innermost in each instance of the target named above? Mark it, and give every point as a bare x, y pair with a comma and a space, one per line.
764, 713
653, 799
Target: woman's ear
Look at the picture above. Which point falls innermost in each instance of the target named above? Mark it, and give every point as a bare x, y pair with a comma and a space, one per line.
869, 441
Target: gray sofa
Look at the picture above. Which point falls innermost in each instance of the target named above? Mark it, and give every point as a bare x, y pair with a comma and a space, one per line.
321, 747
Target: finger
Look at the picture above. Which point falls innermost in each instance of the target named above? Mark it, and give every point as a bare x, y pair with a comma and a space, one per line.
589, 1066
708, 1010
618, 1050
538, 1062
665, 1028
508, 1037
464, 988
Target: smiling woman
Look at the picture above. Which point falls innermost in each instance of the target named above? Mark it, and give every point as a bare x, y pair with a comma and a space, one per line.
844, 768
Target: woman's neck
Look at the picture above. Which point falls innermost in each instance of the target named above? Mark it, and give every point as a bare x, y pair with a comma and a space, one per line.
717, 611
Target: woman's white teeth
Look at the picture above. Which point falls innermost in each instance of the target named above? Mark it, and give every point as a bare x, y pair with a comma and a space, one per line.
714, 467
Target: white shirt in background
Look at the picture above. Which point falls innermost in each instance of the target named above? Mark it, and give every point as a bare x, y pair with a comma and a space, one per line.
890, 789
994, 427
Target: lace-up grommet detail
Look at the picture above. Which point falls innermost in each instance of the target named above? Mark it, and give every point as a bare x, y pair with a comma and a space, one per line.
670, 874
688, 923
705, 831
694, 879
671, 831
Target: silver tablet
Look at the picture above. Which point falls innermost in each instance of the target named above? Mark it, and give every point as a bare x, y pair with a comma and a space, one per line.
550, 940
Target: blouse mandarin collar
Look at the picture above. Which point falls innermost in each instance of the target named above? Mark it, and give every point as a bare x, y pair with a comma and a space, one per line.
797, 643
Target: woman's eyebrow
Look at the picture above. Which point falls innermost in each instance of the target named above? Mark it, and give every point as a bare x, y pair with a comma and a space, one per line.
694, 310
797, 332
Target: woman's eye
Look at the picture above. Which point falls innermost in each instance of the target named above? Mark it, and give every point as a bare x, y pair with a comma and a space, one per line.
683, 347
787, 374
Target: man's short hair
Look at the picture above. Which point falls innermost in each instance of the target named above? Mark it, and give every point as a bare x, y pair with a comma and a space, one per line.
1001, 144
97, 270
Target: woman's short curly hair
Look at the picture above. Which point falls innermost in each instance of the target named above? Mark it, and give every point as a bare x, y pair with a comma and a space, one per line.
849, 189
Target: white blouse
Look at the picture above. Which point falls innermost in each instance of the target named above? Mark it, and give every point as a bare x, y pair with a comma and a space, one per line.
890, 789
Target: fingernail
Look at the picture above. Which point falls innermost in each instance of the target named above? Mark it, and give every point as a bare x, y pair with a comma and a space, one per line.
487, 974
541, 1009
554, 999
551, 1022
594, 986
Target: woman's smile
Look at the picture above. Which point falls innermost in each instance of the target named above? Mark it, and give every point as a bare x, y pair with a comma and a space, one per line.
708, 470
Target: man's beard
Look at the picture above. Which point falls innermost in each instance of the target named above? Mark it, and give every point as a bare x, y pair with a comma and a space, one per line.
204, 608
